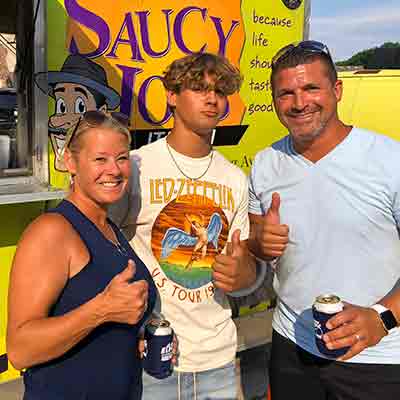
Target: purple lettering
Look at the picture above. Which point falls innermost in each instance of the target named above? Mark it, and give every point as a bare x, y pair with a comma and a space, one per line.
180, 17
91, 21
142, 103
144, 31
132, 41
128, 83
226, 112
223, 40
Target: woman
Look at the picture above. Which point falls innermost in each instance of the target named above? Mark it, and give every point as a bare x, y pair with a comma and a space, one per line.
78, 293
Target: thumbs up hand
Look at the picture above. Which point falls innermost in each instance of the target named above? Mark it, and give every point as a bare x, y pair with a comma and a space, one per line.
236, 269
272, 217
270, 235
123, 300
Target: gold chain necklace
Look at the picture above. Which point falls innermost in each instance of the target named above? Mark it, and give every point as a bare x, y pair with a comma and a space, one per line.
180, 169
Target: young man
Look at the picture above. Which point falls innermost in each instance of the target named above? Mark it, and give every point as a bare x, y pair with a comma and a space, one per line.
188, 216
325, 209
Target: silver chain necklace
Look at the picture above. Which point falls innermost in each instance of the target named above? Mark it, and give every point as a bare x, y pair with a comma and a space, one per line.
180, 169
116, 242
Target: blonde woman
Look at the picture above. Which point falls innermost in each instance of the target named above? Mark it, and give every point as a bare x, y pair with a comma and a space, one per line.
78, 293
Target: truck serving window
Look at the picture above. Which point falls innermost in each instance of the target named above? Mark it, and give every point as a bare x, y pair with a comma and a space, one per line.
24, 173
8, 91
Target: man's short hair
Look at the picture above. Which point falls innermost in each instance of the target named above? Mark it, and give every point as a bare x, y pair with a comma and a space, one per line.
190, 72
302, 56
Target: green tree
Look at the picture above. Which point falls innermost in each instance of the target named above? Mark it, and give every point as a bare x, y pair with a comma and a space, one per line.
365, 57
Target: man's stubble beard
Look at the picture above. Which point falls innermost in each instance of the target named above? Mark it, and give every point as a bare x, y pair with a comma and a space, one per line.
308, 138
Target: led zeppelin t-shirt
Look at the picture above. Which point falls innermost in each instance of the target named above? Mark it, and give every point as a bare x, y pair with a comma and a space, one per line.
180, 212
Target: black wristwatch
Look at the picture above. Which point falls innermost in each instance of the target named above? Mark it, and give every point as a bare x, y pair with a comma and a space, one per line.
389, 321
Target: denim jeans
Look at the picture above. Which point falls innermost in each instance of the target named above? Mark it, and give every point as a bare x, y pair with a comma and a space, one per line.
214, 384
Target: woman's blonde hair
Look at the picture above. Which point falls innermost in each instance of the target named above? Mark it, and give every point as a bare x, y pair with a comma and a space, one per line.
116, 122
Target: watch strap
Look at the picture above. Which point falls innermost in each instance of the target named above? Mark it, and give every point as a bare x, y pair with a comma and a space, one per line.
386, 316
379, 308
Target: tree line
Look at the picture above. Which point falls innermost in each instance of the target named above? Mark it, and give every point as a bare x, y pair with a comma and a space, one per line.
385, 56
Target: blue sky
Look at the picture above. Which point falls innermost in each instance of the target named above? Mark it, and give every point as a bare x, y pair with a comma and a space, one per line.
349, 26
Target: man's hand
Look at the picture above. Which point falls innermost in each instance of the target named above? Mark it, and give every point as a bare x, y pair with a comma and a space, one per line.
236, 269
125, 301
355, 327
270, 236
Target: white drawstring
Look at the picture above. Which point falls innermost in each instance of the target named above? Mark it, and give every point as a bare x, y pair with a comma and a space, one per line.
179, 386
194, 385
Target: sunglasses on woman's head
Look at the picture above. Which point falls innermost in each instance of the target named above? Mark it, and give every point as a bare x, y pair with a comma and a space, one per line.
94, 119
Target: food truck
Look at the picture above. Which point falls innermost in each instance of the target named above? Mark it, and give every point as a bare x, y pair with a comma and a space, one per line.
71, 56
371, 100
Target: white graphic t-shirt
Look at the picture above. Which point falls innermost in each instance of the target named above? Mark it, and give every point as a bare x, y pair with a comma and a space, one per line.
177, 226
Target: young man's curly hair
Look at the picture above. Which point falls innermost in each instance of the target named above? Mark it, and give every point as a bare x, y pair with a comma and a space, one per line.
190, 72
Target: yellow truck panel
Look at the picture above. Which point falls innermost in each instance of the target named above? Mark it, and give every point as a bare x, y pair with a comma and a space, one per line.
371, 100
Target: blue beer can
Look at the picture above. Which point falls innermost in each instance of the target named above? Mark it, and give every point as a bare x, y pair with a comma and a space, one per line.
158, 341
324, 308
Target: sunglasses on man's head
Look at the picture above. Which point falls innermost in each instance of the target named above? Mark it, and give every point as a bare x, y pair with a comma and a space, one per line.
307, 46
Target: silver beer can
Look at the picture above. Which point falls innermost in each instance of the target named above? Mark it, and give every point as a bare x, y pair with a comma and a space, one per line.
324, 308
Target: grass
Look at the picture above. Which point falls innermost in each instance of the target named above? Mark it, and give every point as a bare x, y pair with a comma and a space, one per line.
191, 278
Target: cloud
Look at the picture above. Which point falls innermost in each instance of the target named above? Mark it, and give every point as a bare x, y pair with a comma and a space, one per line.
347, 34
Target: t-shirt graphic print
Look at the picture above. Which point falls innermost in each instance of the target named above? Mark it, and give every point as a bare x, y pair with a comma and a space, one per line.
186, 236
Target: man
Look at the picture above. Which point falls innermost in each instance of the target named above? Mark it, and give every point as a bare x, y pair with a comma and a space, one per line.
183, 185
325, 211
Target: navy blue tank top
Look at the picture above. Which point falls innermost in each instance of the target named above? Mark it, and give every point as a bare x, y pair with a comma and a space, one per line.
105, 365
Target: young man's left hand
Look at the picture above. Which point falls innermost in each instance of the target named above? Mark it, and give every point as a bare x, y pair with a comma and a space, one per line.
236, 269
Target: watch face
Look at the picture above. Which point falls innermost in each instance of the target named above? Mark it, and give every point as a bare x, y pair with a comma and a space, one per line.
388, 320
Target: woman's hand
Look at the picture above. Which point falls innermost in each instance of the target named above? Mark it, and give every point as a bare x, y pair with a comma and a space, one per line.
125, 301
